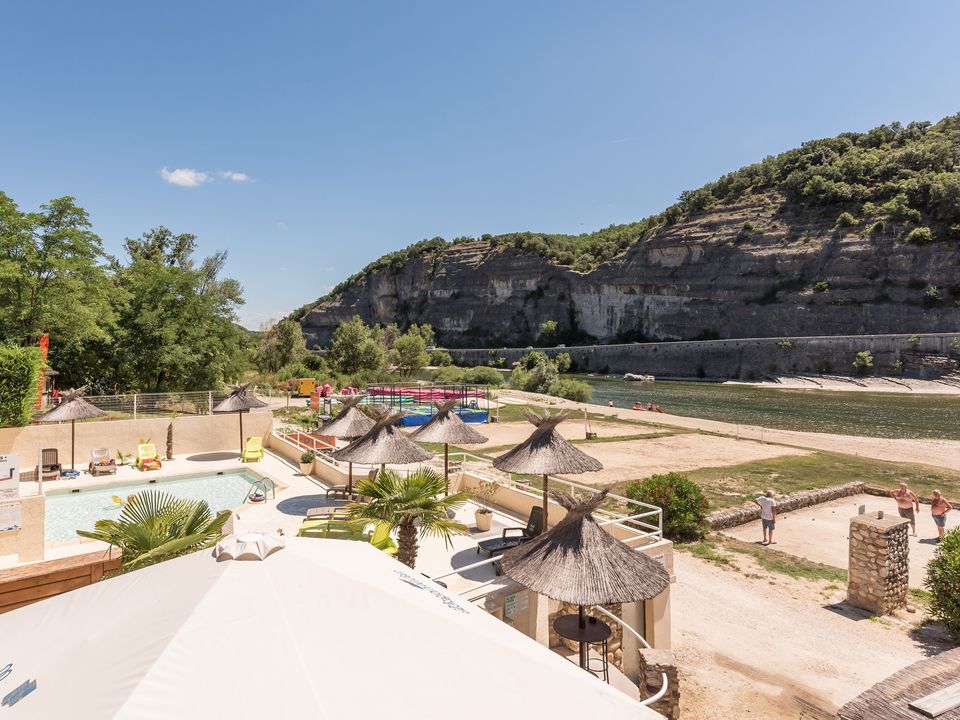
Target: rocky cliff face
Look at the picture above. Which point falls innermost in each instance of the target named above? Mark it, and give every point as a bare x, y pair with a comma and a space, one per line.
753, 269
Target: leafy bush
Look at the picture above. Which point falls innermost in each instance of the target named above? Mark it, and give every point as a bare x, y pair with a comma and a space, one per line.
943, 581
571, 389
863, 362
847, 220
440, 358
913, 341
450, 374
19, 382
821, 286
682, 501
307, 457
919, 236
483, 375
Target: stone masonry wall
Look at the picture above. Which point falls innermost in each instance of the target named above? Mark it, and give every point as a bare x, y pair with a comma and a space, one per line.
653, 663
879, 570
748, 511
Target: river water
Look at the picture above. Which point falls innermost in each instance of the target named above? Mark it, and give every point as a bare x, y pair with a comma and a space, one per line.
892, 415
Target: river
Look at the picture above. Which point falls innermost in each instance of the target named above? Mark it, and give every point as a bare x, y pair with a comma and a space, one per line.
890, 415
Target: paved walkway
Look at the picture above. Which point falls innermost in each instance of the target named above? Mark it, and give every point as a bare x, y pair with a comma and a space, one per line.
821, 533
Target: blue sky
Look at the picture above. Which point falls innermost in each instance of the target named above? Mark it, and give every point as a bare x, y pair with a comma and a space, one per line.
355, 128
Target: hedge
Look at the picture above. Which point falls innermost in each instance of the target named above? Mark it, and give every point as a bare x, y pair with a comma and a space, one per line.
19, 380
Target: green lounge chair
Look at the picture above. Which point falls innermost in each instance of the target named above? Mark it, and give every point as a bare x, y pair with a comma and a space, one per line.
253, 452
381, 539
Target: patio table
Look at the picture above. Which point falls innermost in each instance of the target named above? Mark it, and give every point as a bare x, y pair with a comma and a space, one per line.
593, 631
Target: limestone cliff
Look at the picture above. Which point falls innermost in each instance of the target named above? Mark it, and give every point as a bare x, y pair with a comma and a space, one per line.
704, 277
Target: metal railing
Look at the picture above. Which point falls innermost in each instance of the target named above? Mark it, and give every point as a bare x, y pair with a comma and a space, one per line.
664, 681
142, 405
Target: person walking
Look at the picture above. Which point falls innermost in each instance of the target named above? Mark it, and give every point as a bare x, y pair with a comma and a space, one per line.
908, 504
768, 516
939, 507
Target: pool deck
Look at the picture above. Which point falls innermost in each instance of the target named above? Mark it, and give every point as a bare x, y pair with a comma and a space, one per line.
295, 494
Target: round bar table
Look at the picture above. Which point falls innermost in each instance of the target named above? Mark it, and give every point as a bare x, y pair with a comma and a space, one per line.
585, 631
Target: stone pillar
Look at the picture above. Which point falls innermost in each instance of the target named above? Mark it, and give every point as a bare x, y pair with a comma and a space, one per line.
653, 664
878, 567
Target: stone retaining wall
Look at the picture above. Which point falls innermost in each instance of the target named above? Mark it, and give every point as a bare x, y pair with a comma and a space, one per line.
653, 663
748, 511
879, 568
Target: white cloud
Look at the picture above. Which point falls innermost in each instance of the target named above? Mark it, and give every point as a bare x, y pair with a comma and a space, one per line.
184, 177
235, 176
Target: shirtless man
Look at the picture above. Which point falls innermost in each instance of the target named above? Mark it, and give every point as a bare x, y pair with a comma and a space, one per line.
939, 507
907, 504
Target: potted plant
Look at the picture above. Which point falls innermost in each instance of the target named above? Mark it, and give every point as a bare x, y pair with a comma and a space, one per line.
306, 462
124, 458
483, 494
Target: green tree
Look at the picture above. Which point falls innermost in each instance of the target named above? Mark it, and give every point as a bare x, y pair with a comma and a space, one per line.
682, 501
409, 353
355, 349
53, 279
440, 358
176, 323
413, 505
548, 333
280, 344
863, 362
154, 526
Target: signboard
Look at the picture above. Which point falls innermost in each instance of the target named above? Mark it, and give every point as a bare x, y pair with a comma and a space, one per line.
9, 477
9, 516
512, 604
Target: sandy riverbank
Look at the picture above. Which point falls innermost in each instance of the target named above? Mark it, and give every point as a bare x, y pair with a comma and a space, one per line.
940, 453
856, 384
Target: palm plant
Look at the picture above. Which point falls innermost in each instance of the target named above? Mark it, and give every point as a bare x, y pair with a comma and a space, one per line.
409, 504
155, 526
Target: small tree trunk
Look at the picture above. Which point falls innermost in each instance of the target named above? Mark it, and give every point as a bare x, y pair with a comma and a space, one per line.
170, 441
407, 544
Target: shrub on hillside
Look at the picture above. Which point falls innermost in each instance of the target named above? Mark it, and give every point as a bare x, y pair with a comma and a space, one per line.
943, 582
846, 220
863, 362
919, 236
682, 501
440, 358
19, 380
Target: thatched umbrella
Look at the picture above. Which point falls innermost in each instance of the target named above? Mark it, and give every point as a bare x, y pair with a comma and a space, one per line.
447, 427
239, 402
72, 407
579, 562
349, 424
545, 453
383, 444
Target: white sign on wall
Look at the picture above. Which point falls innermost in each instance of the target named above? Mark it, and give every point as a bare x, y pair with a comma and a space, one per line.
9, 516
9, 477
512, 604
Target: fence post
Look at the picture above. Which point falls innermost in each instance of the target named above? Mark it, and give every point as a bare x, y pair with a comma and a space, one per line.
209, 402
135, 406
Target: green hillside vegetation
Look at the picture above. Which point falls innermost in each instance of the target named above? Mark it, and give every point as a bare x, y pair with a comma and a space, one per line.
904, 178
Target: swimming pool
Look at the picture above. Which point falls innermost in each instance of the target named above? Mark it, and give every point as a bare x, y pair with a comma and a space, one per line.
67, 512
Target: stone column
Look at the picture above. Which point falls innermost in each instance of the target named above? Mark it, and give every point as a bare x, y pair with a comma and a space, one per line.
878, 567
653, 664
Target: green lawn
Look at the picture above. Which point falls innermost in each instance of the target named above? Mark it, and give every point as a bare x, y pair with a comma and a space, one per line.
722, 550
726, 486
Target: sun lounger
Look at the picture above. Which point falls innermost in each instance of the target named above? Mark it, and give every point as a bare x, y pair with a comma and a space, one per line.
101, 462
253, 452
147, 457
50, 467
332, 529
381, 539
513, 536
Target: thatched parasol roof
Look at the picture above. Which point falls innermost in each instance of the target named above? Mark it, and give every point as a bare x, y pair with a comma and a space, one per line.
447, 427
71, 407
349, 423
890, 699
383, 444
545, 452
238, 401
581, 563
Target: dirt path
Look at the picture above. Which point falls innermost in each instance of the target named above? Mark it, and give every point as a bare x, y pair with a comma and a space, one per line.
768, 646
940, 453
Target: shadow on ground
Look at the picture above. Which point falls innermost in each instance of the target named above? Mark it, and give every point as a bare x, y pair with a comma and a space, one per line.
214, 456
300, 504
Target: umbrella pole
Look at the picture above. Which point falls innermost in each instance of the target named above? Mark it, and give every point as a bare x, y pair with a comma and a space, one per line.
349, 478
241, 432
73, 442
582, 624
446, 469
546, 525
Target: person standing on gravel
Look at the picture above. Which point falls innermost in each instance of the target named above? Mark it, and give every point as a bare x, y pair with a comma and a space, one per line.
907, 503
768, 516
939, 507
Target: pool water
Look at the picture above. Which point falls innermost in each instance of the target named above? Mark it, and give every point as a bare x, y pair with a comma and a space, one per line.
68, 512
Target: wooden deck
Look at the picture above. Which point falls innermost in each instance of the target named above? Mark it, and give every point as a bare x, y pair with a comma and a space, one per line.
27, 584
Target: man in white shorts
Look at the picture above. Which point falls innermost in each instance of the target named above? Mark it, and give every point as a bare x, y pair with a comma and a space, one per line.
768, 516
